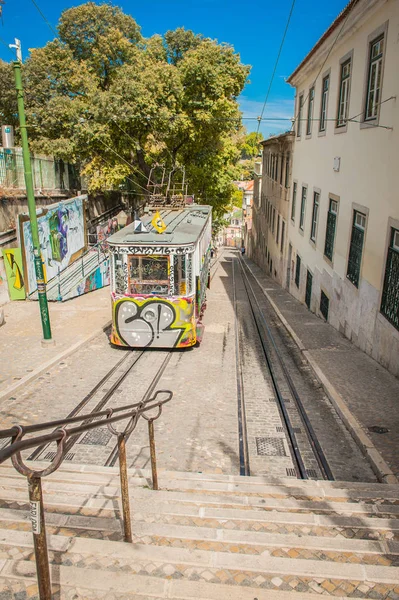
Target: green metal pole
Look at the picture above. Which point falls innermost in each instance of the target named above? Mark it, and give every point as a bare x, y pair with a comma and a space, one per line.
41, 286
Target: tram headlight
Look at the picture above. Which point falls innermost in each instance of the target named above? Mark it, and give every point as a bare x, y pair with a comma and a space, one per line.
149, 315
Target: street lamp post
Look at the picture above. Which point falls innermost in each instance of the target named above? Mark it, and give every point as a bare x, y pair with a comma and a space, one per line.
41, 285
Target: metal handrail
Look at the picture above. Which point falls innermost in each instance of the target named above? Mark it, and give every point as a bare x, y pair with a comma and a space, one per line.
13, 431
107, 417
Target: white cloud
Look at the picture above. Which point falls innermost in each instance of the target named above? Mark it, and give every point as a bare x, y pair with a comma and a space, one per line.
277, 112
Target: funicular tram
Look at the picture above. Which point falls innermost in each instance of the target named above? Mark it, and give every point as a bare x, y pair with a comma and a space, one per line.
159, 275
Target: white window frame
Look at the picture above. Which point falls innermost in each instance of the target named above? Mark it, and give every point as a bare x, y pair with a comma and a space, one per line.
315, 215
324, 103
310, 111
344, 93
303, 208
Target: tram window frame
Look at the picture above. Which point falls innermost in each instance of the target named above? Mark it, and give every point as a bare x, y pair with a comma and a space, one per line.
180, 278
136, 285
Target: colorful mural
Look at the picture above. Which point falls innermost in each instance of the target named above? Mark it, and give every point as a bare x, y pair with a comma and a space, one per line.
14, 272
153, 322
62, 238
99, 278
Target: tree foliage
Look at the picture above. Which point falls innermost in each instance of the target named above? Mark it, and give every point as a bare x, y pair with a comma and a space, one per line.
117, 103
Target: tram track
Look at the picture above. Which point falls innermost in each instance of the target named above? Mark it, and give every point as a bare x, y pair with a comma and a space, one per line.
125, 365
280, 379
113, 456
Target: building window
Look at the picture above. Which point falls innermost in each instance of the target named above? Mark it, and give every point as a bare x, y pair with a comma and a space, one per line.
297, 270
293, 205
324, 305
276, 167
315, 214
299, 121
281, 168
343, 103
282, 235
356, 247
278, 229
274, 220
303, 207
310, 111
287, 170
308, 293
373, 96
330, 229
324, 100
390, 291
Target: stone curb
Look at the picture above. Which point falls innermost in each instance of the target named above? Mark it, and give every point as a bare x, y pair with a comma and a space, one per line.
50, 363
378, 464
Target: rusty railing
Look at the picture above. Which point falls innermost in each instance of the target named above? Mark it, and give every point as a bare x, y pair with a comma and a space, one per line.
109, 417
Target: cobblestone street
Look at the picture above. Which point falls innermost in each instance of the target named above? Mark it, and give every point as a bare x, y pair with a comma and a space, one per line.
199, 430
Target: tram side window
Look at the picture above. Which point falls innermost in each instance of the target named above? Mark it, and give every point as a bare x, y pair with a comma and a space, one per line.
179, 269
148, 275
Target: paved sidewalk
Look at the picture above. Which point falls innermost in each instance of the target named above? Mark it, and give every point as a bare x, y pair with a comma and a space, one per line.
72, 323
363, 392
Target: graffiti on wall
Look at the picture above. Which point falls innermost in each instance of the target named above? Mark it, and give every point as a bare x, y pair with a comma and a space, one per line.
153, 322
61, 235
99, 278
14, 272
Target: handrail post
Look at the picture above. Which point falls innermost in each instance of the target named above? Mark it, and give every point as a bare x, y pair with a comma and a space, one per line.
127, 523
153, 454
39, 536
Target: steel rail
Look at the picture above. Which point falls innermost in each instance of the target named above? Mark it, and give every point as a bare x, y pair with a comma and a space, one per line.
113, 456
242, 422
311, 435
60, 434
91, 394
293, 444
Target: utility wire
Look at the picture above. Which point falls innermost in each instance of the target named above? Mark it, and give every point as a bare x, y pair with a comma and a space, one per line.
325, 60
44, 18
276, 64
8, 47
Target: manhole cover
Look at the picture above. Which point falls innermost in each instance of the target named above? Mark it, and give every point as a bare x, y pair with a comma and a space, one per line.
290, 472
267, 446
51, 456
311, 473
97, 437
377, 429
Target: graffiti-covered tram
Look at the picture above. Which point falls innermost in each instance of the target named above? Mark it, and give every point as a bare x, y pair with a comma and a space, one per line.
159, 280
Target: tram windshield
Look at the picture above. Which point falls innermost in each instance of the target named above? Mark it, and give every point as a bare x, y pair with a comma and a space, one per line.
148, 275
151, 274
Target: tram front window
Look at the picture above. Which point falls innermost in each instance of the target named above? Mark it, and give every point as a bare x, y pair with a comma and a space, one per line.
148, 275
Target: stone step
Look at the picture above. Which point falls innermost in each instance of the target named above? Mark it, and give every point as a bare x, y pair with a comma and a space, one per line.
254, 542
92, 584
217, 567
103, 497
110, 527
93, 472
188, 481
97, 507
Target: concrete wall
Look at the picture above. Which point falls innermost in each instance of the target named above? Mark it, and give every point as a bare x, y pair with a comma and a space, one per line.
268, 250
11, 206
367, 180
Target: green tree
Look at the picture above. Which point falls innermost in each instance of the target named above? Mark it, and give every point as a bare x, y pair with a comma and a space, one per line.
103, 96
250, 147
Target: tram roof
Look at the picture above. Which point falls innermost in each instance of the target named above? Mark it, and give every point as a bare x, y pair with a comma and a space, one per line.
183, 226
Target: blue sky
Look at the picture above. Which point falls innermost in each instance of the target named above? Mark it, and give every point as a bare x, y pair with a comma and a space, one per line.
254, 29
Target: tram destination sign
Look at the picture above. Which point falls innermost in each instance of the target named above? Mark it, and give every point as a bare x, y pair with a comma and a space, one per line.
144, 250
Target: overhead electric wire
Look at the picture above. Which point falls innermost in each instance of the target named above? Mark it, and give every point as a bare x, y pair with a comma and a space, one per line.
44, 18
324, 62
275, 65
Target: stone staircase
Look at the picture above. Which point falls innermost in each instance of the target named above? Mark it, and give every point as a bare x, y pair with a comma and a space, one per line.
202, 537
